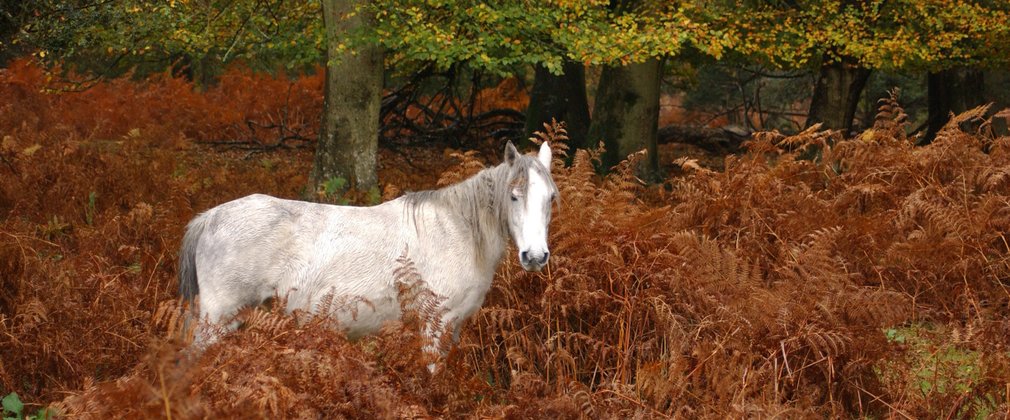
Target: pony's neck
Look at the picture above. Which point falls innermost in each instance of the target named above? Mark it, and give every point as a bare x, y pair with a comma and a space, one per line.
477, 202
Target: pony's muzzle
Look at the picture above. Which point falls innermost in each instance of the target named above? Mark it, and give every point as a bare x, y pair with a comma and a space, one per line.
534, 260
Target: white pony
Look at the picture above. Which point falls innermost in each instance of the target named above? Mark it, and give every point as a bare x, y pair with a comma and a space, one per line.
246, 251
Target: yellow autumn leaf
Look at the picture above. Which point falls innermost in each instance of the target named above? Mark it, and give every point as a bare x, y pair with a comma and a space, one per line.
30, 150
7, 143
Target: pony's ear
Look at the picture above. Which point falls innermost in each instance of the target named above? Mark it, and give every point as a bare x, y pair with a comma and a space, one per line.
511, 153
545, 155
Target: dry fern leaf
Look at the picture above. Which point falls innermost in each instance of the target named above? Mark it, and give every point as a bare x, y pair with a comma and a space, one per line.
692, 164
954, 124
827, 342
171, 316
891, 118
554, 132
469, 165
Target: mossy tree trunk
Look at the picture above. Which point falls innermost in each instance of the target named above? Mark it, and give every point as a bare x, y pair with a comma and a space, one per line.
562, 97
836, 94
952, 91
349, 135
626, 113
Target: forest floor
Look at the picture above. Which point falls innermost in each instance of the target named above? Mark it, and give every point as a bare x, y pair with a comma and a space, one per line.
872, 282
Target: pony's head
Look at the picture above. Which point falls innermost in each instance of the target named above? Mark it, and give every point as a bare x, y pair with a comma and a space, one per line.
531, 194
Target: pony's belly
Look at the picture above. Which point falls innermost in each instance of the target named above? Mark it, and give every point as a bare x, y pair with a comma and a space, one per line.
365, 319
355, 314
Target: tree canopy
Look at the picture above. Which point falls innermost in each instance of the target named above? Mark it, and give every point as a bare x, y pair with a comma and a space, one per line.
272, 32
888, 35
511, 33
501, 37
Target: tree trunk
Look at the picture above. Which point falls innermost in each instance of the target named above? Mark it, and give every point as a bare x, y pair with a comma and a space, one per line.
560, 97
952, 91
836, 95
626, 113
996, 81
349, 135
11, 12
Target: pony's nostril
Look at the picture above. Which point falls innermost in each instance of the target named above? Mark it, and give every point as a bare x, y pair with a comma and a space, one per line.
547, 254
524, 256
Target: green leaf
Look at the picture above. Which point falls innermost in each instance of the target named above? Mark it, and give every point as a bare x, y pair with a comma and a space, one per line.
89, 209
44, 414
12, 404
334, 185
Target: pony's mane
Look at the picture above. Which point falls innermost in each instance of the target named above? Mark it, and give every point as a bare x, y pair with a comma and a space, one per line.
479, 201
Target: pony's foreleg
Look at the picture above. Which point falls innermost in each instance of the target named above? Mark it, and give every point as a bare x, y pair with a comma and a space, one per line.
436, 345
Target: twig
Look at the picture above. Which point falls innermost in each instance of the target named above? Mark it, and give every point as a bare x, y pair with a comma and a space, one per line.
9, 164
285, 134
164, 393
634, 401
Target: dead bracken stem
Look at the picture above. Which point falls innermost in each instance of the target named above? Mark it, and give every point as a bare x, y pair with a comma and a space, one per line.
164, 394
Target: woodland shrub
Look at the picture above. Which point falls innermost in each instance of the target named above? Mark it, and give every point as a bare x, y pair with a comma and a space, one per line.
773, 287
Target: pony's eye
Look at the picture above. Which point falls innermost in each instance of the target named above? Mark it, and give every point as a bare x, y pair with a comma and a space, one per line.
514, 198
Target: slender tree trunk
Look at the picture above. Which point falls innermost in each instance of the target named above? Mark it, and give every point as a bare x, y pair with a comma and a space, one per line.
349, 135
836, 95
952, 91
201, 70
626, 113
562, 97
206, 70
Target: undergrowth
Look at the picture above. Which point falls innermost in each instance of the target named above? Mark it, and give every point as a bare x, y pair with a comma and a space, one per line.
850, 285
